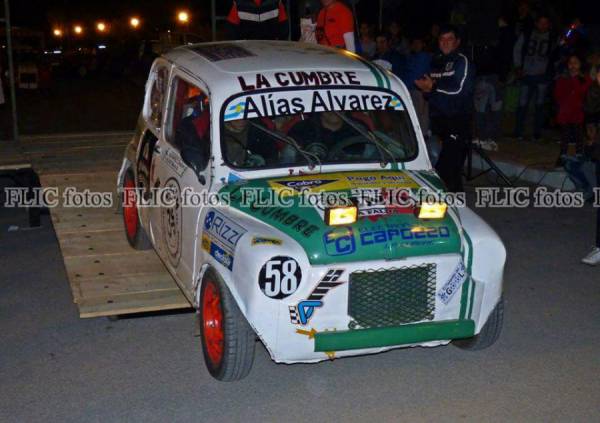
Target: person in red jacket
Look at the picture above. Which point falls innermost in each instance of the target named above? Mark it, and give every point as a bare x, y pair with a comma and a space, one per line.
335, 25
569, 92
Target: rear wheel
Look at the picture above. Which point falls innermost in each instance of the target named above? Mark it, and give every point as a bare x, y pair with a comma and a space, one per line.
228, 341
136, 236
489, 333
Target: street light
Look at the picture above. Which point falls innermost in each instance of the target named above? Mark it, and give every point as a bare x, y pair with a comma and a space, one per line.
57, 32
134, 22
78, 29
101, 26
183, 17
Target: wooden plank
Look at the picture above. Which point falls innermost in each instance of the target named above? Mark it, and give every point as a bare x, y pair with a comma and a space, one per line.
135, 262
67, 221
74, 244
106, 275
171, 299
106, 286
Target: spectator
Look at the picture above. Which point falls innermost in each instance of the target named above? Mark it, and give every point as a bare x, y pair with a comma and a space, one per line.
569, 93
449, 88
386, 57
366, 44
532, 56
308, 27
258, 20
432, 40
592, 109
335, 25
524, 22
397, 41
418, 64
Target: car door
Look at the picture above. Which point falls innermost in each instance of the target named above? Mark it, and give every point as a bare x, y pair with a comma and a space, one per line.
153, 116
182, 171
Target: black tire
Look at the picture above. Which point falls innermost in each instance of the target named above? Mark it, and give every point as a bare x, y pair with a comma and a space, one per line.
489, 333
238, 339
135, 234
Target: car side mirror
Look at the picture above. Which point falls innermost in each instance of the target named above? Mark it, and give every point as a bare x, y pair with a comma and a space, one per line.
196, 160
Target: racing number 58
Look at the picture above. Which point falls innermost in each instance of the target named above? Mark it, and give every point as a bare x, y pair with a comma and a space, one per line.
280, 277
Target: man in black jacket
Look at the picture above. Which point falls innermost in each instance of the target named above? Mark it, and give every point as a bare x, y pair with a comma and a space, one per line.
258, 20
449, 90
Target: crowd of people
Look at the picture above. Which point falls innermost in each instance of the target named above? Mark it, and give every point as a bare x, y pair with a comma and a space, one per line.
460, 94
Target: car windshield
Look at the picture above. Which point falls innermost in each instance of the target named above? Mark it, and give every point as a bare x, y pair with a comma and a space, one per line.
315, 127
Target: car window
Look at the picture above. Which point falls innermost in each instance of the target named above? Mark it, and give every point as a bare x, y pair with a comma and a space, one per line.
157, 96
189, 117
283, 129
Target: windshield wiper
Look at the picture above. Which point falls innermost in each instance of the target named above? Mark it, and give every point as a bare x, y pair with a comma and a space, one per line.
290, 141
368, 134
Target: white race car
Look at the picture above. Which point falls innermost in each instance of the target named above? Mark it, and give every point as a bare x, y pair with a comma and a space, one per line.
284, 186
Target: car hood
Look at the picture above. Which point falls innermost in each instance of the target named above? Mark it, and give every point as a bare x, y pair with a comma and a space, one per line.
380, 232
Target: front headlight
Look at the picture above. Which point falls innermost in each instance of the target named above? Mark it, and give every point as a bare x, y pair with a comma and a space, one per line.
345, 215
432, 210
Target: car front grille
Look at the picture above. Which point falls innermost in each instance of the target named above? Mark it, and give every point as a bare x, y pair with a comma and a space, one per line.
391, 297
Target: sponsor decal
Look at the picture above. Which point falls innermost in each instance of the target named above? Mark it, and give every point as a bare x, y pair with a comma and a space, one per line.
289, 103
447, 291
174, 162
171, 221
217, 252
225, 51
301, 313
398, 233
220, 237
285, 217
302, 184
339, 241
279, 277
297, 79
257, 240
348, 181
342, 241
223, 229
221, 256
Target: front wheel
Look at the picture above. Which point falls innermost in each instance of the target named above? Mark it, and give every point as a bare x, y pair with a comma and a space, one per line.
489, 333
228, 341
136, 236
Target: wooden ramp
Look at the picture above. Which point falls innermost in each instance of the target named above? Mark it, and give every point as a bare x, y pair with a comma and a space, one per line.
106, 275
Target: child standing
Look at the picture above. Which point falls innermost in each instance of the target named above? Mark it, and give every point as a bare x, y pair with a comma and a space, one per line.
569, 93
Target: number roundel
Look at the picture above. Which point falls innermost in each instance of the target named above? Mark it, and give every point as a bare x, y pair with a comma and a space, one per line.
279, 277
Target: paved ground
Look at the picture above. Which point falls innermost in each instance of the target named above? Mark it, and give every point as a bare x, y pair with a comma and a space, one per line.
545, 367
94, 103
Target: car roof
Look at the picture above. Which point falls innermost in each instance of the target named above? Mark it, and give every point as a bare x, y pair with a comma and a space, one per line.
220, 64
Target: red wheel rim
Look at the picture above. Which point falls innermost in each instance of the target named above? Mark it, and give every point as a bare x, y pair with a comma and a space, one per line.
130, 212
212, 321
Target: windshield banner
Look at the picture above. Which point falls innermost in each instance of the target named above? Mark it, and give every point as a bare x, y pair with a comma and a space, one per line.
283, 103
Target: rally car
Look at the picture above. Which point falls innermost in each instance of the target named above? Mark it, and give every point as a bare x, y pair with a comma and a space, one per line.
282, 185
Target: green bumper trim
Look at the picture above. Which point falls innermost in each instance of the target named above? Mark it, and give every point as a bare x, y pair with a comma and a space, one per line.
399, 335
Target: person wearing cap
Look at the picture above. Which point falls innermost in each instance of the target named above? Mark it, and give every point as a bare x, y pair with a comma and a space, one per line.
258, 20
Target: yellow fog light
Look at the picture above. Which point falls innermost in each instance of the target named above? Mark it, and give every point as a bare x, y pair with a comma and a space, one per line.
432, 210
341, 215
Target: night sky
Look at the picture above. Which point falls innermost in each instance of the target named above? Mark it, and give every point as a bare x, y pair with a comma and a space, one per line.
43, 14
